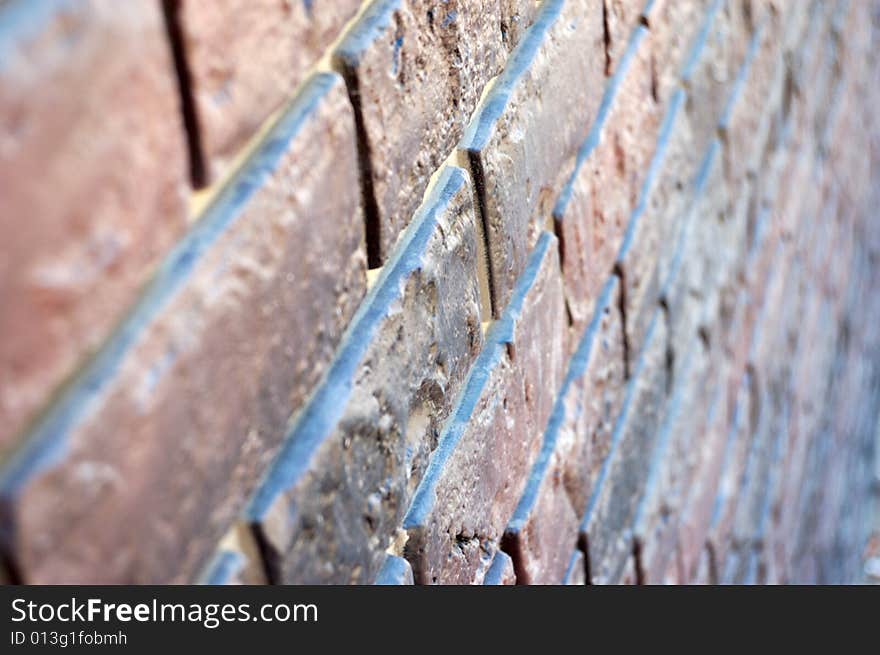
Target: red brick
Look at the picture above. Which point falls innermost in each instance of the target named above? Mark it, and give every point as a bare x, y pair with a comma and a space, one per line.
234, 331
332, 502
675, 26
522, 150
735, 454
478, 472
416, 69
650, 234
245, 59
92, 176
612, 506
592, 217
656, 528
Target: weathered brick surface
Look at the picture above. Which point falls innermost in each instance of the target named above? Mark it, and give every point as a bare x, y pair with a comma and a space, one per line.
522, 150
679, 384
415, 70
92, 175
245, 59
606, 525
478, 471
234, 330
594, 208
392, 383
576, 442
656, 524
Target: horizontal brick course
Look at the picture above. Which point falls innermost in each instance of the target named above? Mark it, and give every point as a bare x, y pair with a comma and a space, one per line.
576, 442
606, 524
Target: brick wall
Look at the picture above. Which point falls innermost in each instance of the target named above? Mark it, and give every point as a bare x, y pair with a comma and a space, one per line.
438, 291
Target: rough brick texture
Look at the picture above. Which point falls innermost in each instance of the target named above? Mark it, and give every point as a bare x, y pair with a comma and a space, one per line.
473, 292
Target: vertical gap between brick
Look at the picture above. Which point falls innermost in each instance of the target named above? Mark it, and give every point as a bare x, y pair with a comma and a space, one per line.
560, 240
713, 564
607, 37
583, 546
478, 178
8, 567
511, 546
618, 271
197, 167
637, 559
372, 222
670, 350
269, 557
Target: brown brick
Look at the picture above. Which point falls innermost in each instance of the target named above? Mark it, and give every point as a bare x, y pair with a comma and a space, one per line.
332, 501
712, 67
245, 59
594, 400
735, 455
521, 151
478, 472
756, 95
656, 526
239, 323
692, 277
654, 224
92, 176
675, 26
544, 526
696, 513
612, 506
596, 205
415, 70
